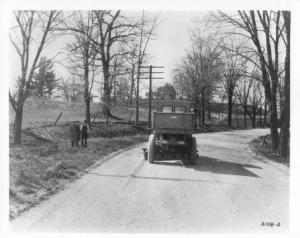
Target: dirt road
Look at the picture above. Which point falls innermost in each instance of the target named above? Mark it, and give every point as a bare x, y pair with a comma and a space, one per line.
228, 190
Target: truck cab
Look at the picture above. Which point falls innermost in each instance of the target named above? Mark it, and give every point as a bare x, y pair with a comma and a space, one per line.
172, 128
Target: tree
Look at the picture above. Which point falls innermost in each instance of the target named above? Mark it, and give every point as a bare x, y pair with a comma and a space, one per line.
285, 112
116, 73
44, 81
233, 70
199, 72
181, 83
64, 87
69, 88
250, 95
265, 30
111, 32
30, 25
132, 62
242, 94
82, 54
144, 38
206, 58
166, 92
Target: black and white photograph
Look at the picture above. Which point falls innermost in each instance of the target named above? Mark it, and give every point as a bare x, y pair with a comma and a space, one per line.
124, 119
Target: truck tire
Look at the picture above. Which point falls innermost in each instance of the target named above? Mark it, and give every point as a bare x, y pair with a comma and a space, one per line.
151, 148
193, 152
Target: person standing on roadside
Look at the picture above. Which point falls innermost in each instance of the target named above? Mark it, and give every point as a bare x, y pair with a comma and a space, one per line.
84, 133
77, 128
74, 134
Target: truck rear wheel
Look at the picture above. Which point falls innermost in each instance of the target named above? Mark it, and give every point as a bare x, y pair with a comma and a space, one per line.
193, 152
151, 149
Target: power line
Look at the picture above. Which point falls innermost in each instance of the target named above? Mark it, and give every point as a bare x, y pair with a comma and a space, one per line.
151, 67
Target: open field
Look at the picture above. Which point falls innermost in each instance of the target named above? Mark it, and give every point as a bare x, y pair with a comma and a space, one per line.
38, 112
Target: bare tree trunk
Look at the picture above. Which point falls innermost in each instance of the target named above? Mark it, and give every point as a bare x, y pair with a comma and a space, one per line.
284, 132
107, 91
285, 113
114, 90
208, 114
87, 97
265, 113
131, 87
18, 123
273, 71
202, 108
260, 118
274, 120
253, 121
229, 116
87, 110
245, 119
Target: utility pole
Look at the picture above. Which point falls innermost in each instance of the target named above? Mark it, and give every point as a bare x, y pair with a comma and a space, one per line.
150, 85
137, 97
150, 97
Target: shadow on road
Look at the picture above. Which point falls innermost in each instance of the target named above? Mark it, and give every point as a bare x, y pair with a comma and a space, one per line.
217, 166
203, 164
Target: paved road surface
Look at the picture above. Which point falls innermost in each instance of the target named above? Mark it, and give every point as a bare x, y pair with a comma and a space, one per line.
228, 190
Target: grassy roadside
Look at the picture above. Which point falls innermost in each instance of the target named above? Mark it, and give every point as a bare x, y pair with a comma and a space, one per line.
262, 146
44, 164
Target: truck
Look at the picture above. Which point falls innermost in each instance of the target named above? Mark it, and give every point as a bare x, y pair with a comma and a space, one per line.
173, 125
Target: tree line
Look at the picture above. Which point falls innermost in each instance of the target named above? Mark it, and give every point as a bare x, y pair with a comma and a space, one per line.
242, 57
105, 45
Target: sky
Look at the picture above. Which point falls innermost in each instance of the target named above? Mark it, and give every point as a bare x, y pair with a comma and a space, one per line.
171, 41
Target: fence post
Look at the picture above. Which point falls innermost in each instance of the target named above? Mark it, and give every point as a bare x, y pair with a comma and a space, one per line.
57, 119
95, 117
237, 119
130, 116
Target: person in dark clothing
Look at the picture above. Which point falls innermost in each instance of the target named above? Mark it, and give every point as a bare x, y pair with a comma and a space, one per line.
77, 127
75, 134
84, 134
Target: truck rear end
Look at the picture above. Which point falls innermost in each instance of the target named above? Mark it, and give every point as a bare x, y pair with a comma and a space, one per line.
172, 125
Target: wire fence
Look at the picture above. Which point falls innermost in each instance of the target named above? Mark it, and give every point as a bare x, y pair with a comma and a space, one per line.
238, 120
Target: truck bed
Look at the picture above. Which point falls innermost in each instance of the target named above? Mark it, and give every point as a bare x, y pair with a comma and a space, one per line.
173, 122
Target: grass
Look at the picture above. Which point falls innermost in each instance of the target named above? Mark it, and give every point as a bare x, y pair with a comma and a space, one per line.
37, 170
265, 149
46, 162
